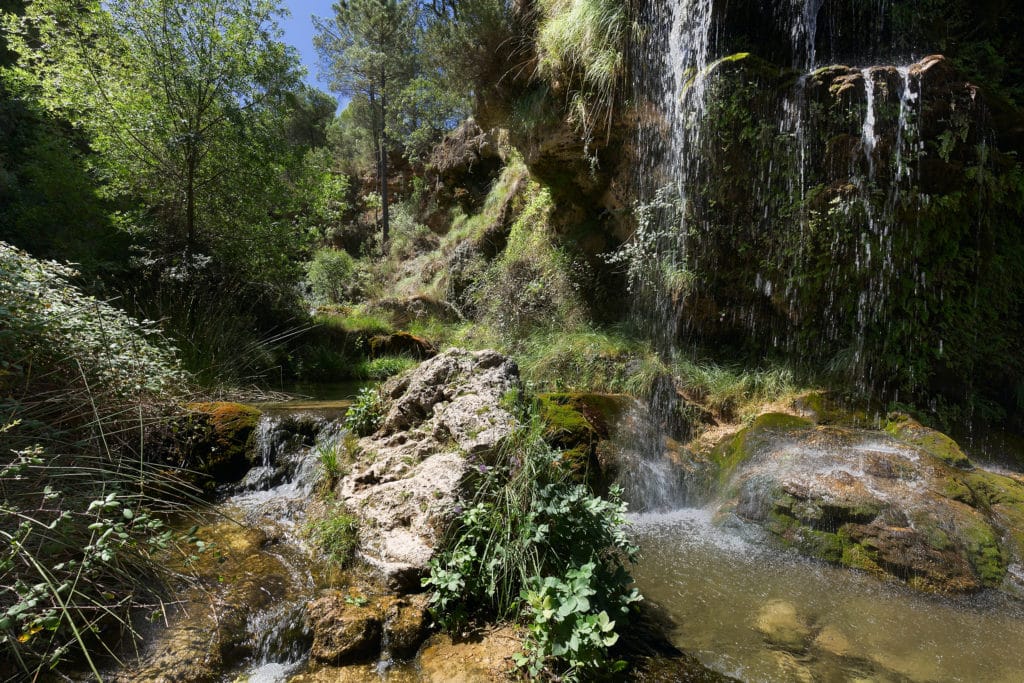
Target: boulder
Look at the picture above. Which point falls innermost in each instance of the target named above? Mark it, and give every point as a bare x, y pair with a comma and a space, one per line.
782, 627
215, 442
343, 632
406, 625
401, 344
903, 503
441, 420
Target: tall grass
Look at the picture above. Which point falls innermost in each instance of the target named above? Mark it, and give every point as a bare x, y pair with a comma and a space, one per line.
80, 529
590, 359
732, 391
583, 42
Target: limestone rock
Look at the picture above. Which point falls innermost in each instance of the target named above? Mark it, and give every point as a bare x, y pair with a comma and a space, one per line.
442, 419
903, 503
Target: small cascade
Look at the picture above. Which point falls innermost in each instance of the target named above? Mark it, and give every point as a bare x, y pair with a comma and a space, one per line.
868, 138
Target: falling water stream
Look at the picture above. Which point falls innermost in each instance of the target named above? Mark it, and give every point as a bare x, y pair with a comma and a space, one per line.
728, 590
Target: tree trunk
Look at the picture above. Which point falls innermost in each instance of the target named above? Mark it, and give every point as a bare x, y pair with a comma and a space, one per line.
190, 210
386, 220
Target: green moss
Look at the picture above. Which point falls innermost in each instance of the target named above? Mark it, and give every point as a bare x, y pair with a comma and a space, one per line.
933, 442
779, 421
576, 423
224, 435
995, 489
735, 450
856, 556
983, 551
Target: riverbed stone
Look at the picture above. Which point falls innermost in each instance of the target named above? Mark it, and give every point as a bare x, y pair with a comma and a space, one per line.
832, 640
781, 625
442, 421
406, 625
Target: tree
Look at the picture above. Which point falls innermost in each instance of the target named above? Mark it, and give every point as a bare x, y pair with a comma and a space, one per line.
175, 97
368, 48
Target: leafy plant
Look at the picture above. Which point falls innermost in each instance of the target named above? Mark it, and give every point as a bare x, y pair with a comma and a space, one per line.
330, 275
366, 413
80, 535
527, 527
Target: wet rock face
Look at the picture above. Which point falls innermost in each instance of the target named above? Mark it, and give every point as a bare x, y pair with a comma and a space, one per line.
345, 631
212, 443
905, 507
441, 420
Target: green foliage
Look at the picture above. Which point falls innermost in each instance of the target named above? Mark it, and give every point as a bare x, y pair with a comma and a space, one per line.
330, 276
583, 42
587, 359
177, 100
533, 285
331, 461
366, 414
47, 323
533, 543
82, 384
384, 367
732, 391
336, 534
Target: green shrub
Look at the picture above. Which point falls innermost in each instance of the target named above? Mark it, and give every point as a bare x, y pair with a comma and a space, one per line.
81, 384
532, 543
330, 275
366, 413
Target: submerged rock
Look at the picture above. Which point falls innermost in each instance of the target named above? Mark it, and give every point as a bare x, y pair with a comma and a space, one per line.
441, 421
781, 626
904, 502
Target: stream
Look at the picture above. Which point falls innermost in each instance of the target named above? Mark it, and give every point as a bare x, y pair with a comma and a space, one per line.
740, 605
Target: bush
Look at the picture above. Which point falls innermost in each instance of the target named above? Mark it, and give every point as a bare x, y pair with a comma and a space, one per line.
366, 413
82, 383
330, 276
533, 543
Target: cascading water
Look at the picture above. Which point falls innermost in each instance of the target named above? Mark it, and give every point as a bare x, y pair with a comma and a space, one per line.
834, 153
245, 610
686, 227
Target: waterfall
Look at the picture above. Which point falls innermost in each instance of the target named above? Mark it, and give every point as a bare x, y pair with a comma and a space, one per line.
687, 209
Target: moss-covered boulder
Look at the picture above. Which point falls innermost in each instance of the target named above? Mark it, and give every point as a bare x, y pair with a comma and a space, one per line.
401, 344
578, 424
909, 430
215, 442
903, 502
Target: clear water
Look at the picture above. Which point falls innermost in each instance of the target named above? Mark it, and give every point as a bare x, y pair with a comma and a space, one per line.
714, 583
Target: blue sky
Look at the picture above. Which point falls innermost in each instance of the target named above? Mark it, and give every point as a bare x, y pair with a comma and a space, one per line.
298, 31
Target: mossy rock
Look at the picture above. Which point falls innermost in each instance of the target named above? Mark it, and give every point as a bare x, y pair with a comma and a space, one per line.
220, 441
734, 450
401, 344
577, 423
1002, 497
823, 408
935, 443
